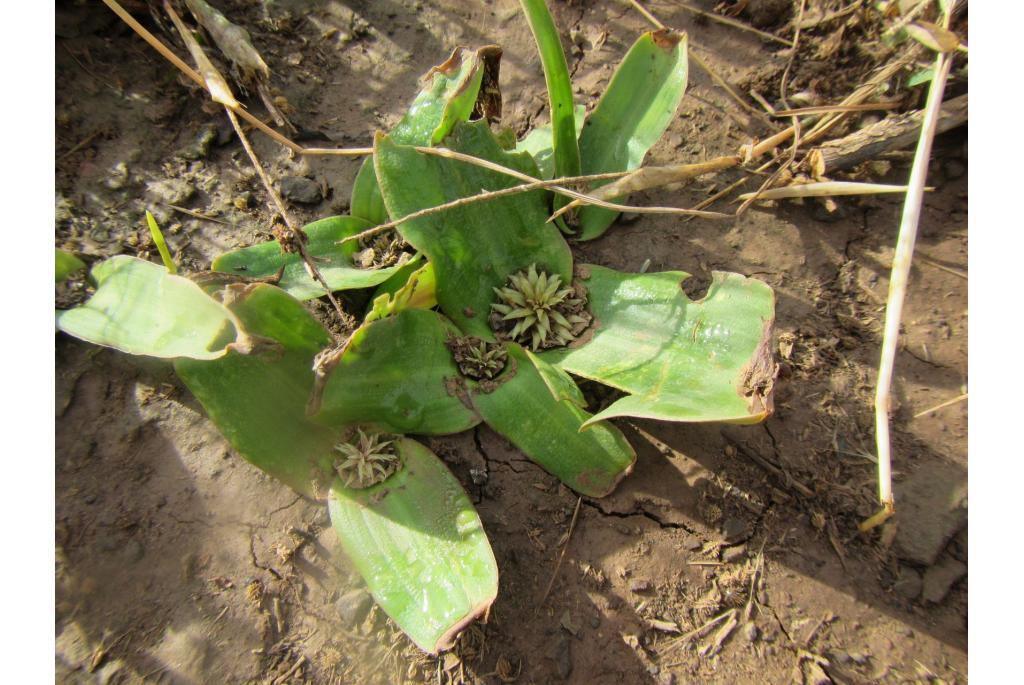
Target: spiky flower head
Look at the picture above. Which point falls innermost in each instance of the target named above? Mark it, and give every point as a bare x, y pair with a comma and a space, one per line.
367, 460
541, 312
478, 358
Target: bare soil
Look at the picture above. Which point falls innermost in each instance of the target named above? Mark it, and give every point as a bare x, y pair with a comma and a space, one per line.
179, 562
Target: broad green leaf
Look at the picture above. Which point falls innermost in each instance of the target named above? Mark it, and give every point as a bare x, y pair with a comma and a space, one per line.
475, 247
332, 260
449, 97
420, 546
549, 431
633, 113
539, 144
419, 292
396, 374
258, 400
139, 308
66, 264
680, 360
566, 151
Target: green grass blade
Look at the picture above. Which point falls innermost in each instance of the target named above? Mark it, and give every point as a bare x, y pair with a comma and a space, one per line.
66, 264
448, 98
395, 373
524, 410
476, 246
258, 401
566, 151
633, 113
680, 360
420, 546
140, 308
161, 244
333, 261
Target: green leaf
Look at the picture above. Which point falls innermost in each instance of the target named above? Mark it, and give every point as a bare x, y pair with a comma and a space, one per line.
396, 374
139, 308
258, 400
161, 244
549, 431
633, 113
566, 151
448, 98
419, 292
420, 546
332, 260
475, 247
66, 264
539, 144
709, 360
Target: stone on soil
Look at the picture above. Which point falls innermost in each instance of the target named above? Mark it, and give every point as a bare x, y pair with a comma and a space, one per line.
301, 189
940, 578
931, 508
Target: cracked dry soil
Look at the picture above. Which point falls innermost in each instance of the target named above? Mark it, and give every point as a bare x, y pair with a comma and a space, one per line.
178, 562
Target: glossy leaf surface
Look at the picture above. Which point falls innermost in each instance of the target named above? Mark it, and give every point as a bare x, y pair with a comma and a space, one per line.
680, 360
548, 430
332, 260
475, 247
640, 102
140, 308
394, 374
448, 98
258, 401
420, 546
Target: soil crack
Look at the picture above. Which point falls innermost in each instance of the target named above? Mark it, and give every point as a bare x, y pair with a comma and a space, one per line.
640, 511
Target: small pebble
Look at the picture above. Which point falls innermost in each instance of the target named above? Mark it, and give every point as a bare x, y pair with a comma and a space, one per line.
301, 189
751, 631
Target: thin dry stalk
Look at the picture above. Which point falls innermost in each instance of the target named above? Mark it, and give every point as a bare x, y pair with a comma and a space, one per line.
735, 24
898, 283
941, 405
825, 189
469, 159
561, 557
480, 197
216, 82
169, 55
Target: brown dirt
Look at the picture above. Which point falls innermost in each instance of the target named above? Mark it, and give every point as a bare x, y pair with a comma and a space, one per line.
179, 562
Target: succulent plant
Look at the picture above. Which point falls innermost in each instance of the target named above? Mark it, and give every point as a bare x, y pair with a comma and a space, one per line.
367, 461
543, 314
478, 358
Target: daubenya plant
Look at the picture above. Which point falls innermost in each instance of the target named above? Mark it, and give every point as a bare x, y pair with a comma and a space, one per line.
479, 315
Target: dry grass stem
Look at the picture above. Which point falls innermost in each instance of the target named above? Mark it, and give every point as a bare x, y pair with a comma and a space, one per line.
469, 159
480, 197
898, 282
941, 405
824, 189
735, 24
561, 556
